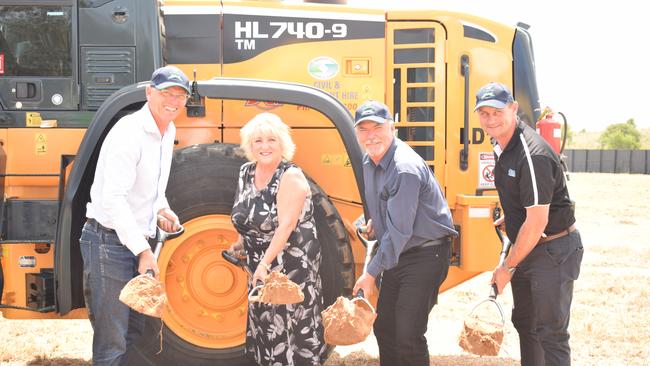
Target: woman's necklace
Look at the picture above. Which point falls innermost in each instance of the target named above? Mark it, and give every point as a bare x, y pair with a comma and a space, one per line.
262, 179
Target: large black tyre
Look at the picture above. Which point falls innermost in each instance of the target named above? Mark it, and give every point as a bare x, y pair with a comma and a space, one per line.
203, 181
2, 279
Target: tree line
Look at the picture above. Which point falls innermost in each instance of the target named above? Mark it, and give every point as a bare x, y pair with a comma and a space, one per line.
617, 136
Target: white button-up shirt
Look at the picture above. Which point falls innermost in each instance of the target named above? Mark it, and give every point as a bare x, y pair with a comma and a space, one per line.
131, 178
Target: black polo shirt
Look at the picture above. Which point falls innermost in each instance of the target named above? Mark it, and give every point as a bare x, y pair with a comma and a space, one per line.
528, 173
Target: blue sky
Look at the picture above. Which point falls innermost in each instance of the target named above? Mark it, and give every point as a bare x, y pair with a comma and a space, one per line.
592, 58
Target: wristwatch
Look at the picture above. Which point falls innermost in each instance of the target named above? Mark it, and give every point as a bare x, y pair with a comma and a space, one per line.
510, 269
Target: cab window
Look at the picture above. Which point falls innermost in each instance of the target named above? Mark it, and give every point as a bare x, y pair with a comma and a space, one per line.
35, 41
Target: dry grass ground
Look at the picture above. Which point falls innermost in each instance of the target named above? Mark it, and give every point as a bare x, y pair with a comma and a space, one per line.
610, 323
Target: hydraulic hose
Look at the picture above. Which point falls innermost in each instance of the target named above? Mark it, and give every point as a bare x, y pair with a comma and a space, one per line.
566, 131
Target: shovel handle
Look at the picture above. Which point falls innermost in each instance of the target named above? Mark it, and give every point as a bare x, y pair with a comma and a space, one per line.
236, 261
230, 258
162, 235
505, 247
156, 252
370, 247
361, 298
494, 291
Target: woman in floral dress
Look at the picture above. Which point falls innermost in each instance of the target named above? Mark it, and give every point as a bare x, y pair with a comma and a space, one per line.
273, 213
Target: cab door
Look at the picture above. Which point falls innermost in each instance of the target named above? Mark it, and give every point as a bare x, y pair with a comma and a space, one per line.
38, 68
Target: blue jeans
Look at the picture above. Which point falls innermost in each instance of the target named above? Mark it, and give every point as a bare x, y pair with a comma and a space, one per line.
542, 290
108, 266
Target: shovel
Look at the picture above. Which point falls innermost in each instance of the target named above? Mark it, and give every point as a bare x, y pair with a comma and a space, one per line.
348, 322
478, 336
293, 297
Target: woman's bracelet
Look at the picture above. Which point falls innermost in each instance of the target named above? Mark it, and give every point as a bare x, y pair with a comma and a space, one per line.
265, 265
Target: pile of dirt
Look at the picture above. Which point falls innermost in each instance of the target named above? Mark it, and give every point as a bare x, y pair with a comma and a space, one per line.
145, 295
481, 337
348, 321
278, 289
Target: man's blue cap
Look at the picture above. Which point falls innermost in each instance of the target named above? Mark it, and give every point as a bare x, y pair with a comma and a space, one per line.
494, 95
168, 76
372, 111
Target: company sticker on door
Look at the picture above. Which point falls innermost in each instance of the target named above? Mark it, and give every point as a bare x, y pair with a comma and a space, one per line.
323, 68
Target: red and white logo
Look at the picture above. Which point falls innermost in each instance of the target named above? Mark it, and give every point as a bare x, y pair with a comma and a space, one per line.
262, 105
2, 63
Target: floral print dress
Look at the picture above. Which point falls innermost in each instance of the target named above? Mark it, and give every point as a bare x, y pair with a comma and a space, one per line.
281, 335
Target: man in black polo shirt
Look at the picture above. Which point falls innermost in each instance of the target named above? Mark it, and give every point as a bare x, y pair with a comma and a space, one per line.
539, 220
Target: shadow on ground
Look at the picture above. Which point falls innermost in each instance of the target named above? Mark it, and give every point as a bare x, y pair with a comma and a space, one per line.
59, 361
360, 358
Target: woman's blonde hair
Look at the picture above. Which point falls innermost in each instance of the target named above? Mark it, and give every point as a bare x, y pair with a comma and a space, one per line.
265, 124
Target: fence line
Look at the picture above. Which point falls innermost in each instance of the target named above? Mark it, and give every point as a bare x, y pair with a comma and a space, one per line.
609, 161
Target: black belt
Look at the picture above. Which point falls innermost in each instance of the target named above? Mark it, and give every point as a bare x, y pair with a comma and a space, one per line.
432, 243
92, 222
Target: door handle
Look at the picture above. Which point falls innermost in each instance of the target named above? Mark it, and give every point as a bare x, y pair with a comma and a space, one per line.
25, 90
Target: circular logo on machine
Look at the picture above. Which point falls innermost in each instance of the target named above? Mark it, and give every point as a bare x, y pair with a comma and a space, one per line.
323, 68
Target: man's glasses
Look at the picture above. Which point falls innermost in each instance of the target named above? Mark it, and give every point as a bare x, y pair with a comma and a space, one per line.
169, 95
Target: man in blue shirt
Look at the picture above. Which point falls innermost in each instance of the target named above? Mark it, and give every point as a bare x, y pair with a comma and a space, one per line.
411, 220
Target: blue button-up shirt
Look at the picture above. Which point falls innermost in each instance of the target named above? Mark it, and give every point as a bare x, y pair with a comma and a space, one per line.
405, 203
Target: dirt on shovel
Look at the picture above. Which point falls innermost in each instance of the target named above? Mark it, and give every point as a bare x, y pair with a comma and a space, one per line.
278, 289
348, 322
144, 294
480, 336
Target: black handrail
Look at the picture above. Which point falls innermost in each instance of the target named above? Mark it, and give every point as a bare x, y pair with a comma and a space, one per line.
464, 154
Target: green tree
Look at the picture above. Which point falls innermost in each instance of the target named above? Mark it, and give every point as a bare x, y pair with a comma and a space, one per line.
621, 136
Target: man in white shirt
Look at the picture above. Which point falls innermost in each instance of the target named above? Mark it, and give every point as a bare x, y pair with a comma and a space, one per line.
127, 202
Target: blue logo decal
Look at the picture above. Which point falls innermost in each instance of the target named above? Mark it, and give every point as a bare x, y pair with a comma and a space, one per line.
323, 68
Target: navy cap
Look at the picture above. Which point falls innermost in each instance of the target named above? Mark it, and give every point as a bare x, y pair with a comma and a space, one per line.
494, 95
168, 76
372, 111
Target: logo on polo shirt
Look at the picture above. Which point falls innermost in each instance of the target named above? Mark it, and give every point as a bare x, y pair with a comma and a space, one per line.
512, 173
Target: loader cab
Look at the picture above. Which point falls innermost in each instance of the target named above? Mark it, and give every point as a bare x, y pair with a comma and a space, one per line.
38, 68
70, 55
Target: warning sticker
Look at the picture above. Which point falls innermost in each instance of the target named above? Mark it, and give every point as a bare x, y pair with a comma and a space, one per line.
27, 261
40, 143
486, 170
2, 63
335, 159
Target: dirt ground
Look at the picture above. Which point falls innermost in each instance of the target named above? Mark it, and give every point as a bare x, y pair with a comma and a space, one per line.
610, 323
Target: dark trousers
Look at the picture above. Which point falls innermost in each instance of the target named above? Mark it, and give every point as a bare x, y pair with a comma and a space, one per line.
542, 290
408, 293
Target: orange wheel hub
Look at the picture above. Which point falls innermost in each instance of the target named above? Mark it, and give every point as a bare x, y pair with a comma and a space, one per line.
206, 296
